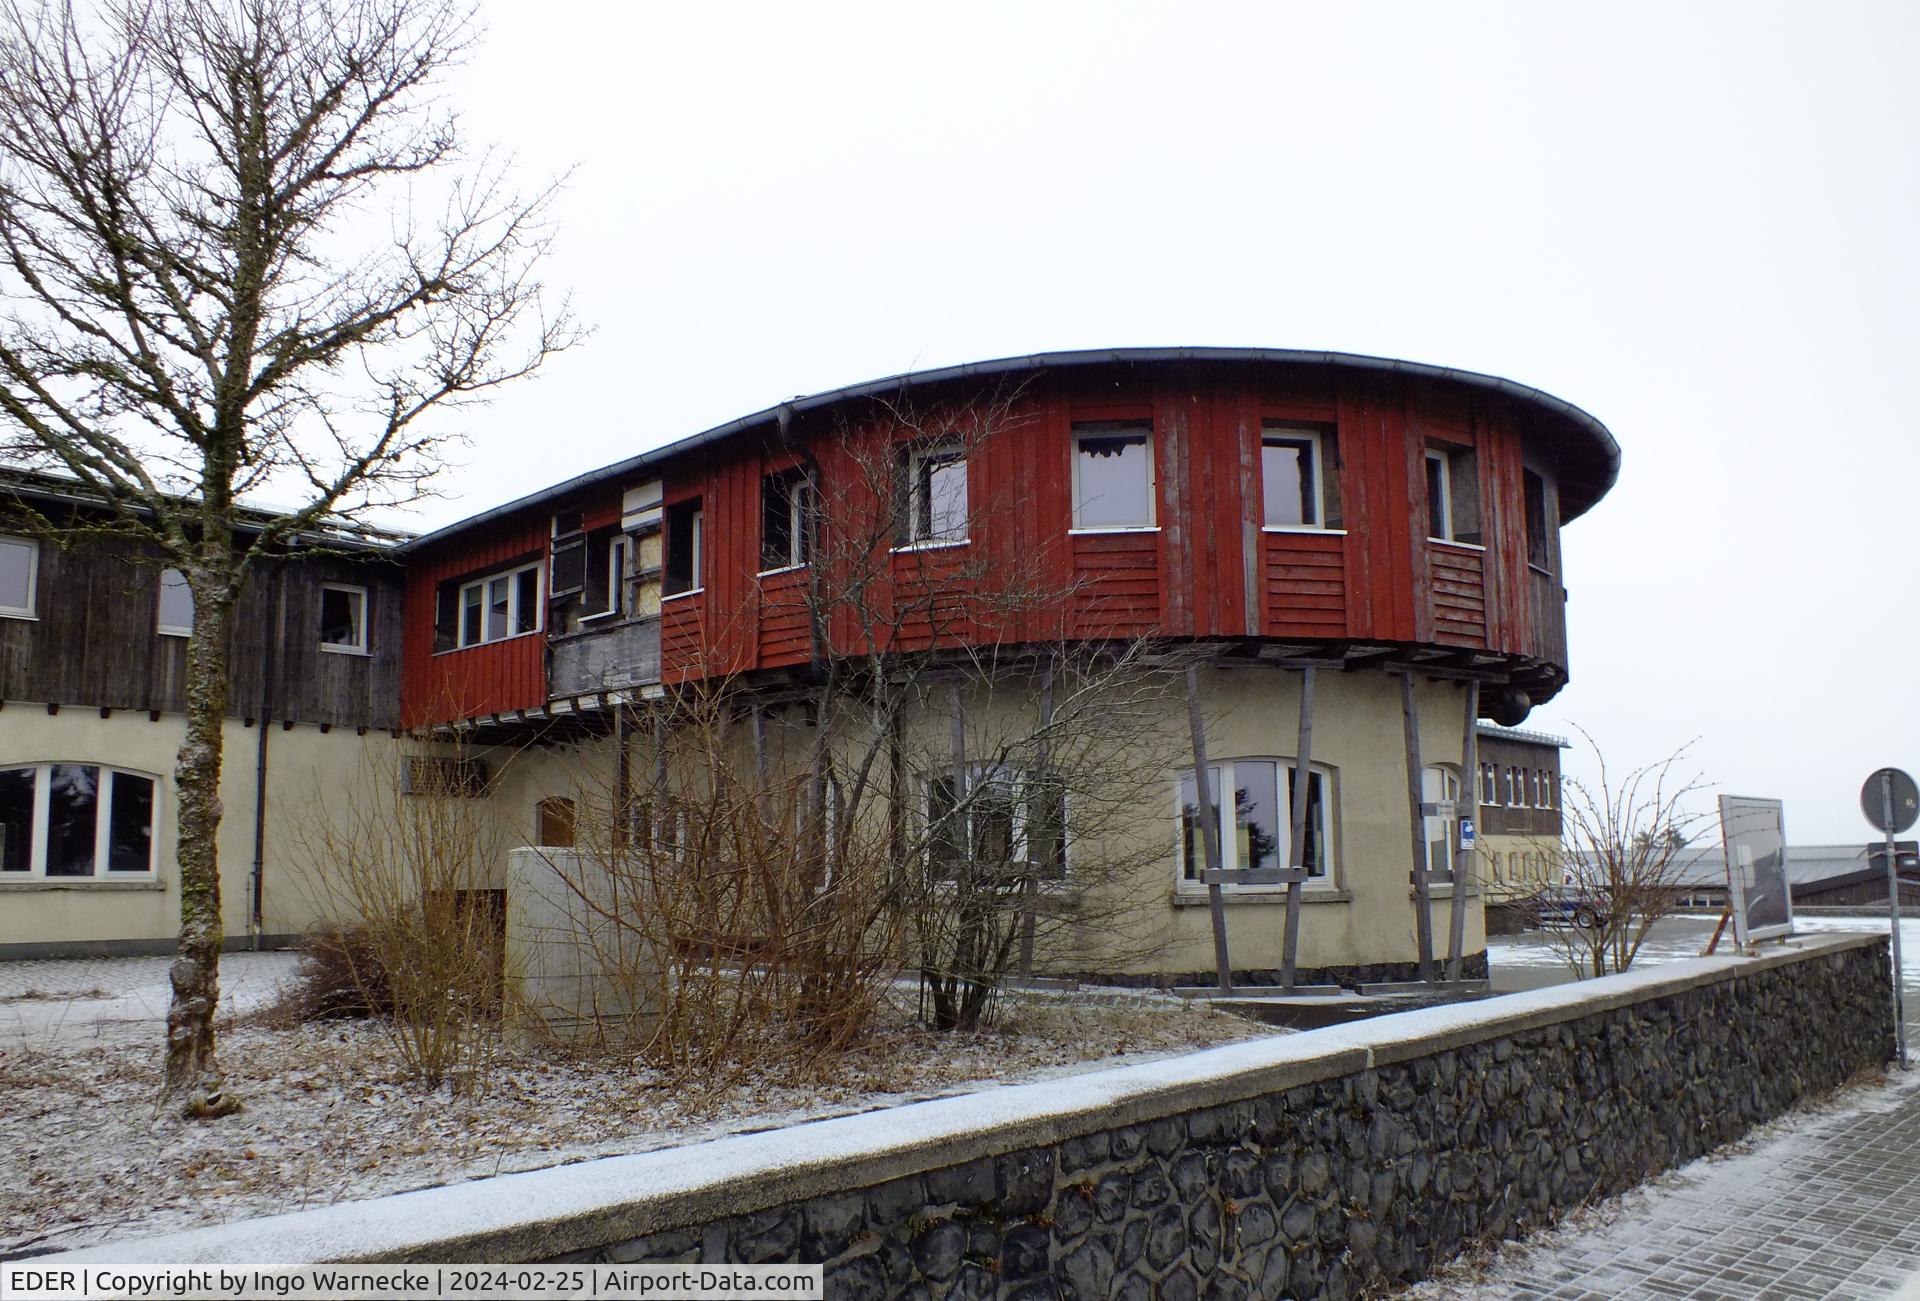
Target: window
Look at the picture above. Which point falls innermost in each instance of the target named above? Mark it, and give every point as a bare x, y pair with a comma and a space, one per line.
618, 549
19, 577
1453, 495
434, 775
684, 521
786, 520
343, 619
1516, 789
1260, 829
1440, 786
1290, 478
1533, 788
1536, 491
937, 494
68, 820
1489, 784
175, 618
499, 606
554, 820
1112, 476
1015, 826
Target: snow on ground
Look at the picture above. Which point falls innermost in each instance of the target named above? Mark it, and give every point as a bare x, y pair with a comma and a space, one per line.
119, 1000
330, 1117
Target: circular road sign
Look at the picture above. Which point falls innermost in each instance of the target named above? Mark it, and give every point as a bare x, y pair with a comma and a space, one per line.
1906, 801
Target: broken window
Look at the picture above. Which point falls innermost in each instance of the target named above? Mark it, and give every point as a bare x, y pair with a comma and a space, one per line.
1112, 476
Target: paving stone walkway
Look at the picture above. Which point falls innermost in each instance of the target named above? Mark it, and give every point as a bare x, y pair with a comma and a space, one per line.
1822, 1204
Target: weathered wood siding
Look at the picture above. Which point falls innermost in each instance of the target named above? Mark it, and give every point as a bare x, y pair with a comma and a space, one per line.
94, 643
1207, 568
494, 678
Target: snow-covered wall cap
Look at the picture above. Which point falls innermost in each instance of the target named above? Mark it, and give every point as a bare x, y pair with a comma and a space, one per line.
541, 1214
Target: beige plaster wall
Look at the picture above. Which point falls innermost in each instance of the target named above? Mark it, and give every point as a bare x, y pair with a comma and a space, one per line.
301, 762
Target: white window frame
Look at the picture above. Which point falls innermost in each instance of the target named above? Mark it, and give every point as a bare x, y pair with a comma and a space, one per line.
31, 609
1445, 531
1437, 829
160, 624
1022, 780
513, 605
43, 807
918, 489
800, 493
1273, 435
1490, 785
619, 551
1219, 778
362, 643
696, 541
1118, 429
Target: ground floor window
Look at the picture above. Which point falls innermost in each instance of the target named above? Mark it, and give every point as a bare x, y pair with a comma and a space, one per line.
62, 820
1256, 830
1440, 786
1014, 822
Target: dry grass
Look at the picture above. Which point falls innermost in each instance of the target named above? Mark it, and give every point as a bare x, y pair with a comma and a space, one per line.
331, 1114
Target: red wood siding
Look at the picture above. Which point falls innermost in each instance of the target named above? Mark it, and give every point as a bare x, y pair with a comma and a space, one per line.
494, 678
1303, 587
1208, 569
1458, 593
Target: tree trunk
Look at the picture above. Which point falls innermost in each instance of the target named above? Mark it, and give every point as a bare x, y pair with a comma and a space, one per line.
193, 1081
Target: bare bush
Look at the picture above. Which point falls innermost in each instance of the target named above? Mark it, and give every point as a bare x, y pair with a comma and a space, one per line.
1619, 860
409, 889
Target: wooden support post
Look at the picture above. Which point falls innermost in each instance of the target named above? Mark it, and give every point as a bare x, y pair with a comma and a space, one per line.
1464, 855
760, 759
1209, 815
1029, 922
1422, 899
622, 780
1302, 789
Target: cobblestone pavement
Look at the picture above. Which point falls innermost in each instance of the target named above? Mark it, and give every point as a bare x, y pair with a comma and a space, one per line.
1822, 1204
95, 1000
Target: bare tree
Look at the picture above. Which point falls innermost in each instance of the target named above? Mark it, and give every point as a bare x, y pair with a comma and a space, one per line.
1622, 848
241, 249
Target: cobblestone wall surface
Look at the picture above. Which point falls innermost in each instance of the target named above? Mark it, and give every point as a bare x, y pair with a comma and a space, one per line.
1336, 1187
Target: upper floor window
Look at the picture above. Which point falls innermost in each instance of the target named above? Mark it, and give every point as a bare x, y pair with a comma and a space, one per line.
175, 618
786, 520
1290, 478
937, 493
1112, 475
500, 606
1489, 784
619, 551
1453, 494
343, 619
683, 543
1014, 825
64, 820
1440, 817
1536, 495
19, 577
1256, 831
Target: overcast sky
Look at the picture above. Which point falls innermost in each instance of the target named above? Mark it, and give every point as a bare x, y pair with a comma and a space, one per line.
1696, 222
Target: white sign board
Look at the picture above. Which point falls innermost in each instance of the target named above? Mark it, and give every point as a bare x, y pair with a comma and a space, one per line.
1753, 833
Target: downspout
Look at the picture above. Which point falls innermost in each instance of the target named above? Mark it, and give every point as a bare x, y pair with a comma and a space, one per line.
276, 628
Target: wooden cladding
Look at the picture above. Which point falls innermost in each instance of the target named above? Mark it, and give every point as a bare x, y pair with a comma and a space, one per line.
1458, 590
95, 643
1208, 567
1303, 589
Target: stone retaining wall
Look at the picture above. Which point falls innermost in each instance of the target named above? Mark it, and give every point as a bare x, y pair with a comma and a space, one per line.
1316, 1164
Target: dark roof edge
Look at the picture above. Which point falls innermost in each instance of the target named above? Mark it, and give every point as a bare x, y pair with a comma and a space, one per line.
1604, 441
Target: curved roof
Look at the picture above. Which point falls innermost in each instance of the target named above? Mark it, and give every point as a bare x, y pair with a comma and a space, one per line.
1588, 454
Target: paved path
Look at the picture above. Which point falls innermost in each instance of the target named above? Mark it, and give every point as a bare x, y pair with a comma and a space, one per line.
1823, 1204
96, 1000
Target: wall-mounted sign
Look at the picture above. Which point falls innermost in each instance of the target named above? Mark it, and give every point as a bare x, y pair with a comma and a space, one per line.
1753, 833
1466, 833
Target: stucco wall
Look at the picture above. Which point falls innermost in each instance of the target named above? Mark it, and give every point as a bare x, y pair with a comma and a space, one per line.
302, 761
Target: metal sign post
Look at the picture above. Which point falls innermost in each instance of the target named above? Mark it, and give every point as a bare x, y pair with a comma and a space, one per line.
1891, 802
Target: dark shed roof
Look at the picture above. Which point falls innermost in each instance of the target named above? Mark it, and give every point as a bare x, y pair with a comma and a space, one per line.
1587, 455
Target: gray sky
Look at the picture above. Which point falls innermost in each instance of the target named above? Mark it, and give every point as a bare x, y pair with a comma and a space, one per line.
1697, 222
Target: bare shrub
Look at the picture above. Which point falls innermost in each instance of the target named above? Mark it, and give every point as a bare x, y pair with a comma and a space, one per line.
1619, 858
409, 887
751, 936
